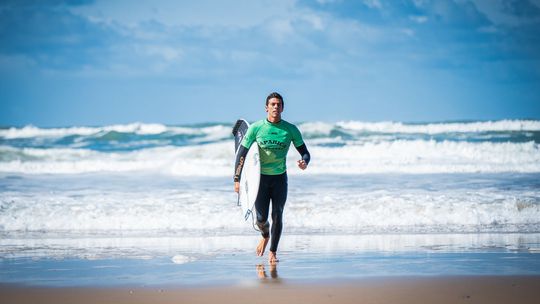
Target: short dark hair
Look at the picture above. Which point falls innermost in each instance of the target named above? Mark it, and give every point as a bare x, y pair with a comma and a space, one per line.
275, 95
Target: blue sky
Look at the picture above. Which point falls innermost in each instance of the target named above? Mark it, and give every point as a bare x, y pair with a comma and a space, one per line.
180, 62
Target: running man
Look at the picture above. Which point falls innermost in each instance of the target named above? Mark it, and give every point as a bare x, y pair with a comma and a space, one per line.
273, 136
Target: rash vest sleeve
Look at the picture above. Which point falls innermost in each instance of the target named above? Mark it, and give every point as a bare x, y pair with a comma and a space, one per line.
249, 139
299, 144
296, 136
239, 163
304, 153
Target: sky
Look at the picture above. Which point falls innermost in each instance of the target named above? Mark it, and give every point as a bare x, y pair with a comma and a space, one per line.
79, 62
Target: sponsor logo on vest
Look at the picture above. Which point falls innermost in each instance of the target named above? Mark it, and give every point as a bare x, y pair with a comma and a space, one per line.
272, 144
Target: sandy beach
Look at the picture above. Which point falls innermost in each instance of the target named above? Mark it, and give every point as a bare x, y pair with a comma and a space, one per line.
460, 289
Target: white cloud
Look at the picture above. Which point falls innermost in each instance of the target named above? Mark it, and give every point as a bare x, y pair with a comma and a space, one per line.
166, 53
354, 33
495, 12
280, 30
419, 19
327, 1
373, 4
315, 21
167, 38
420, 3
16, 62
237, 13
488, 29
408, 32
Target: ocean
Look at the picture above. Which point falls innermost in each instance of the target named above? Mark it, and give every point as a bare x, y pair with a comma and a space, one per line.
165, 193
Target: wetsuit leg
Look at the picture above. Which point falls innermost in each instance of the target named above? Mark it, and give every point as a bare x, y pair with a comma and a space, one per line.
262, 205
274, 188
278, 194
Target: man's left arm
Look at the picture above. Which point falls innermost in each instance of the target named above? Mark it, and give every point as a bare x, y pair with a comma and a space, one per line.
300, 147
306, 157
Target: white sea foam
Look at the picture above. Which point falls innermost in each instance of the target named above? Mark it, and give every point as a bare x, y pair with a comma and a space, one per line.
316, 129
201, 160
434, 128
182, 259
135, 128
418, 211
178, 180
102, 205
216, 159
311, 128
32, 131
214, 133
192, 247
109, 211
425, 157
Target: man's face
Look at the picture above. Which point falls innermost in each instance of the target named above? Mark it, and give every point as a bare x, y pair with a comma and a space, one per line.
274, 108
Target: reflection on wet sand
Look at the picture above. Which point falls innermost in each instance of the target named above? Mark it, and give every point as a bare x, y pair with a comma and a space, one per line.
261, 273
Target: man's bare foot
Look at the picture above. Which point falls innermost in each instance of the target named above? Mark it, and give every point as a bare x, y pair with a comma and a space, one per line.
262, 246
272, 258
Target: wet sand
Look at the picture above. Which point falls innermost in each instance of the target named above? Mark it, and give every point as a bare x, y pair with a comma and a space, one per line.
438, 289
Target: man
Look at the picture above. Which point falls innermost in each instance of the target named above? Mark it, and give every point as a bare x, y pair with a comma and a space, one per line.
273, 136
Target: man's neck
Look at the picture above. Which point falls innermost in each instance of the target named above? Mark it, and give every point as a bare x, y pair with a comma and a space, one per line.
273, 120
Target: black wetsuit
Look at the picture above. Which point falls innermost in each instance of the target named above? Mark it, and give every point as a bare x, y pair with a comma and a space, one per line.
273, 141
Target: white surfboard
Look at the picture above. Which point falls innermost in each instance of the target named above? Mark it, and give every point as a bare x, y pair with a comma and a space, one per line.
251, 173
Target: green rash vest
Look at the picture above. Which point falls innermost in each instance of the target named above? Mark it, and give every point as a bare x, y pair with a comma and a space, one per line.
273, 140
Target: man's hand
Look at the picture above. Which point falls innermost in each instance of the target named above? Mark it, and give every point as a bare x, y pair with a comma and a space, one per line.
302, 164
236, 187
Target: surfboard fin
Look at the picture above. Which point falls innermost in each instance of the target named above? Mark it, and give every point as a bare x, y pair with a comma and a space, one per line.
237, 126
238, 131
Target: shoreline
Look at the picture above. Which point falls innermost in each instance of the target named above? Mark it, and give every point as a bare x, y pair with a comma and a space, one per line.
218, 261
407, 289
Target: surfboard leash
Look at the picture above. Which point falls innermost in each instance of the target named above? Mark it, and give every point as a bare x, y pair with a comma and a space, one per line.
251, 213
253, 223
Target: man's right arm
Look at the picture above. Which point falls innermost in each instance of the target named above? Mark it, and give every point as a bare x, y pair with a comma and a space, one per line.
247, 141
239, 163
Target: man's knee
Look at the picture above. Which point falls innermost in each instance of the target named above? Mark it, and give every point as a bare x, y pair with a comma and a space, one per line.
277, 214
264, 227
262, 217
277, 217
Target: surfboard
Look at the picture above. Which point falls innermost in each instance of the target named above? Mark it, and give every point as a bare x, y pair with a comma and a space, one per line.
251, 173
